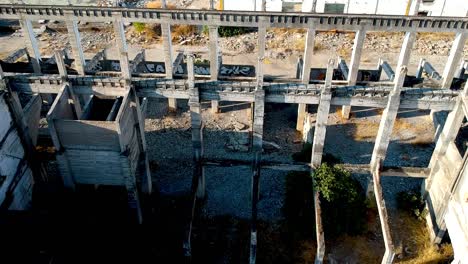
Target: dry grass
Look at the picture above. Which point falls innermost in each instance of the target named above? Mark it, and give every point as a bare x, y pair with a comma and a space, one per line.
344, 53
278, 31
183, 31
413, 245
299, 44
157, 4
428, 36
365, 131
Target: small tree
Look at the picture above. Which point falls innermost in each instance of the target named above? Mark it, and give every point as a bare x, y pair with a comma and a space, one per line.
343, 200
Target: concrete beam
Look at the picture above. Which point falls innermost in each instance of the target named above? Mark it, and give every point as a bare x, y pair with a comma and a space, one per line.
75, 42
31, 45
320, 234
322, 118
239, 18
454, 59
383, 215
123, 49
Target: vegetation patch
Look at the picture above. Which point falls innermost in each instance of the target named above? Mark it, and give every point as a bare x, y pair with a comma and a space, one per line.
343, 201
413, 203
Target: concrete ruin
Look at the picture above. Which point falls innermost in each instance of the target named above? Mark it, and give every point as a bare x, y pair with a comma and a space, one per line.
112, 134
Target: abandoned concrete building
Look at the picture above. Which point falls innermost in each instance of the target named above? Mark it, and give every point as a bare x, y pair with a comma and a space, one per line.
96, 109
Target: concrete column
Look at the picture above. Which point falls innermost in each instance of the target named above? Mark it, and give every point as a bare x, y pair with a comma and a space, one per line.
414, 9
354, 66
314, 6
123, 49
214, 62
308, 53
31, 44
454, 59
261, 52
77, 50
322, 117
61, 64
264, 5
259, 111
172, 104
386, 125
406, 48
167, 47
168, 55
197, 128
301, 115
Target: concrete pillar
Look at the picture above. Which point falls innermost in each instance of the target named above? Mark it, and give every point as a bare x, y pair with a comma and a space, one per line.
420, 70
123, 49
301, 115
414, 9
314, 6
322, 117
406, 48
31, 45
2, 74
386, 125
167, 47
308, 53
172, 104
259, 111
454, 59
261, 52
75, 42
264, 5
168, 55
197, 128
61, 64
214, 62
354, 66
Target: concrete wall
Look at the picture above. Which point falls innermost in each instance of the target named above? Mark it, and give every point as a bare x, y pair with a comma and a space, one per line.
14, 170
457, 218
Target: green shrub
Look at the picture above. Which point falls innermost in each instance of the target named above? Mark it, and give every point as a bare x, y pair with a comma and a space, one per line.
232, 31
413, 203
139, 27
343, 201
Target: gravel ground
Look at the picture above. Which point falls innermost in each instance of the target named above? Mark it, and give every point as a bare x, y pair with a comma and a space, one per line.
228, 188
